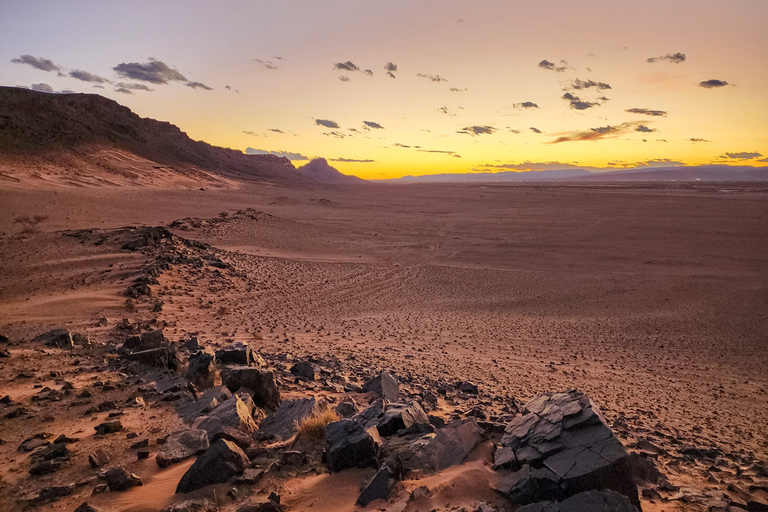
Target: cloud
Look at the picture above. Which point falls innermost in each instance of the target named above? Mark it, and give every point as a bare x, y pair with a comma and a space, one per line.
434, 78
512, 130
252, 134
583, 105
477, 130
578, 84
277, 57
697, 139
456, 89
535, 130
445, 111
390, 68
335, 134
436, 151
154, 71
346, 66
371, 124
570, 97
545, 64
37, 62
390, 74
368, 72
647, 112
327, 123
713, 83
198, 85
41, 88
344, 78
525, 104
266, 63
133, 87
398, 145
352, 160
742, 156
286, 154
644, 129
593, 134
675, 58
85, 76
276, 130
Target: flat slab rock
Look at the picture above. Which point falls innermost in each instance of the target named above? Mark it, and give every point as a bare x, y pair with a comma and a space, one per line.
588, 501
567, 434
236, 412
350, 445
181, 445
281, 424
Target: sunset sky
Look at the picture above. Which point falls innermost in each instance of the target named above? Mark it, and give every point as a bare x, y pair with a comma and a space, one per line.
390, 88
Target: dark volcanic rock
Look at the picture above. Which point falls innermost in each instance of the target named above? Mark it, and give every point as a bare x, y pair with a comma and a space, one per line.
240, 438
181, 445
401, 415
155, 357
198, 505
260, 505
60, 338
350, 445
202, 369
109, 427
385, 385
222, 461
588, 501
148, 340
346, 408
239, 354
450, 446
378, 487
306, 370
118, 479
530, 485
282, 423
98, 458
260, 384
208, 401
86, 507
236, 412
567, 434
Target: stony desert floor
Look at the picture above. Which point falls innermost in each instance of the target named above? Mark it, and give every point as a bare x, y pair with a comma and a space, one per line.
652, 299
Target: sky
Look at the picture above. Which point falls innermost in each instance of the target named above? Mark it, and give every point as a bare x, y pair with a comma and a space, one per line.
389, 88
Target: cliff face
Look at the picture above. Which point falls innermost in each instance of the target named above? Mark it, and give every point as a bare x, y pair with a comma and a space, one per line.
37, 127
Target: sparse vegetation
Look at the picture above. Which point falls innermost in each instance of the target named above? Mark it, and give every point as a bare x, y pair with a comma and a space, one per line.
314, 425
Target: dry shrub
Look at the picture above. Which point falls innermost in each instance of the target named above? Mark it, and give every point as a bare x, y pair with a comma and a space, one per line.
314, 425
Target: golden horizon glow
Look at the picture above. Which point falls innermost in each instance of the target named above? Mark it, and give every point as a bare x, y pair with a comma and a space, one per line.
478, 119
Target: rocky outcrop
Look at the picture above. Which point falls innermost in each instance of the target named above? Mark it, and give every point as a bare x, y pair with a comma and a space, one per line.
59, 338
118, 479
236, 412
384, 385
239, 354
282, 423
588, 501
202, 369
260, 384
222, 461
566, 434
350, 445
181, 445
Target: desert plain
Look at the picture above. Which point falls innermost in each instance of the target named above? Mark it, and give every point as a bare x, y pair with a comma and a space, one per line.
651, 298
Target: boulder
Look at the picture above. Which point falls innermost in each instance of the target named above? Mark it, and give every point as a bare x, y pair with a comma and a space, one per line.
306, 370
282, 423
108, 427
384, 385
605, 500
181, 445
118, 479
148, 340
350, 445
566, 433
346, 408
236, 412
377, 488
98, 458
60, 338
86, 507
260, 505
237, 436
450, 446
259, 383
222, 461
155, 357
399, 416
239, 354
529, 485
205, 403
202, 369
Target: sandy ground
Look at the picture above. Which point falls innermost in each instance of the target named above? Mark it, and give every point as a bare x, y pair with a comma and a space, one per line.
652, 299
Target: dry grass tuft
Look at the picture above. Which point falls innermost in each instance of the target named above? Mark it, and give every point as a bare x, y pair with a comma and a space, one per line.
314, 424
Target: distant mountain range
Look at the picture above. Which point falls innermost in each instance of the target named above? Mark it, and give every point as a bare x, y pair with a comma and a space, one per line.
70, 131
743, 173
